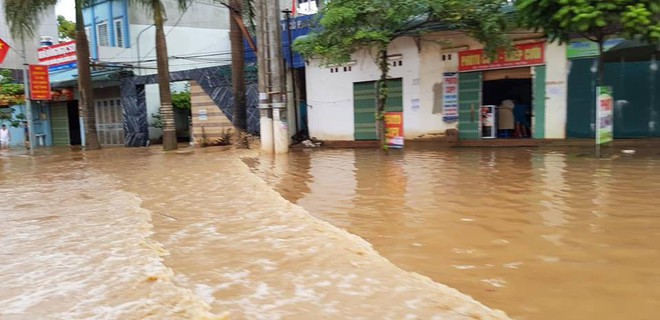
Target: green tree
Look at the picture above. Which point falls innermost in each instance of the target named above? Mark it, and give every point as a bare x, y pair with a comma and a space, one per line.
11, 93
347, 26
156, 9
23, 17
592, 19
181, 99
66, 29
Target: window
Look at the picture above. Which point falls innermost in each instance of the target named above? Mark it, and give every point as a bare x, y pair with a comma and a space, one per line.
88, 33
102, 33
119, 33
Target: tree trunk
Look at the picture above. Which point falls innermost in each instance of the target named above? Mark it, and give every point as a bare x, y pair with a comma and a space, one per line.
381, 93
86, 103
166, 109
237, 67
601, 63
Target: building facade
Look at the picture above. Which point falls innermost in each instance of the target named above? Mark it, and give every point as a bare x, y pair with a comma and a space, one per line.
122, 46
14, 61
419, 72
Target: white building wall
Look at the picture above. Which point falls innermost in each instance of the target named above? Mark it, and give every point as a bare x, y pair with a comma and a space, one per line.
47, 27
330, 95
434, 48
195, 48
556, 102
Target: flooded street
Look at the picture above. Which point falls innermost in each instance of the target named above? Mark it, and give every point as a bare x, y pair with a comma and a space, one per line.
142, 234
538, 234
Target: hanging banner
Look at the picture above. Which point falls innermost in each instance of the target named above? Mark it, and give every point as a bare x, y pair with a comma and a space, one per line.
604, 115
529, 54
450, 96
394, 129
4, 49
39, 83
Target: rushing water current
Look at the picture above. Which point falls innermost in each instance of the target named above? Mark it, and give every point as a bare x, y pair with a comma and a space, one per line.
539, 234
142, 234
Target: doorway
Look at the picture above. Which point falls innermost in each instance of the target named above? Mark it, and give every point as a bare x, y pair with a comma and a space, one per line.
65, 123
364, 106
511, 91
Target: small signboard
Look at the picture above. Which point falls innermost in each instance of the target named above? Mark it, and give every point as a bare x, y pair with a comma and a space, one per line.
58, 57
582, 48
604, 115
450, 97
529, 54
394, 129
39, 83
202, 115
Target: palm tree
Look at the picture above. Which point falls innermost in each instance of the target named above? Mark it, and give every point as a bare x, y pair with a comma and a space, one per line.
23, 16
239, 11
237, 66
157, 10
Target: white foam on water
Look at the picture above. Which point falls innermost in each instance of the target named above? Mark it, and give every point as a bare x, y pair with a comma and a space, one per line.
71, 255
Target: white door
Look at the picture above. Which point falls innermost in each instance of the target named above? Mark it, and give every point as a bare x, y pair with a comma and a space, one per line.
109, 121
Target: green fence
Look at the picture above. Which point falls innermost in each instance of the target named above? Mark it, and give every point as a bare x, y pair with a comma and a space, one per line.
636, 93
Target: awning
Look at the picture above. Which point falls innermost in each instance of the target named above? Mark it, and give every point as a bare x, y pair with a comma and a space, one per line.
632, 50
69, 78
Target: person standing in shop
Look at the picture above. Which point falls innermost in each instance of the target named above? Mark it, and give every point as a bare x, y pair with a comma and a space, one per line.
505, 122
522, 114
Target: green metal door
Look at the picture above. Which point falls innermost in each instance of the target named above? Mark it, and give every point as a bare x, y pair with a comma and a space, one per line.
469, 101
364, 106
581, 100
394, 102
60, 124
538, 88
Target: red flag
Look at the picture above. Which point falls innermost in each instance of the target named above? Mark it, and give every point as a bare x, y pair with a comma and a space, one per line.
294, 6
4, 48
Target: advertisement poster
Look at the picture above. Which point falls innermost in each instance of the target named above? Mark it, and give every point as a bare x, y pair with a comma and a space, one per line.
604, 115
39, 83
450, 97
394, 129
488, 121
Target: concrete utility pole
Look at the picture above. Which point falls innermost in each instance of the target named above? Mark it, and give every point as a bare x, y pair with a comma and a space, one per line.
272, 90
28, 103
294, 96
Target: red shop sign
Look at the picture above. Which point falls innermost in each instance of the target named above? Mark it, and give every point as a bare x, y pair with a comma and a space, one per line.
529, 54
39, 83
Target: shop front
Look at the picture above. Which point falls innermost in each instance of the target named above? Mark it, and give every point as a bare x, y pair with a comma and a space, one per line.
631, 71
65, 125
503, 97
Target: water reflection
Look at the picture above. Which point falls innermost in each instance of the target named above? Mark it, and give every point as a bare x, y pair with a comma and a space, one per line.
539, 234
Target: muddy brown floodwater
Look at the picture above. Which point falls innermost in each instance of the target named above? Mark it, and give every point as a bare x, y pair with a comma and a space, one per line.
538, 234
142, 234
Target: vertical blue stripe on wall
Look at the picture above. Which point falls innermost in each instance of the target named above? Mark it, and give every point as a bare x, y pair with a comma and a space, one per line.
111, 25
127, 35
94, 42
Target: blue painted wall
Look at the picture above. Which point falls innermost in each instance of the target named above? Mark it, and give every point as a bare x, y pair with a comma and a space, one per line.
300, 26
40, 126
106, 11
